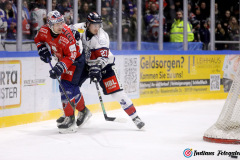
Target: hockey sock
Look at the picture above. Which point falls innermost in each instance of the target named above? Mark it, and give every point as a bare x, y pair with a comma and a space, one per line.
80, 104
68, 110
131, 111
126, 103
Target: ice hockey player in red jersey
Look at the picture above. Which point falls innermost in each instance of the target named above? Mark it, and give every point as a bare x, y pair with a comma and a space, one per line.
60, 39
101, 63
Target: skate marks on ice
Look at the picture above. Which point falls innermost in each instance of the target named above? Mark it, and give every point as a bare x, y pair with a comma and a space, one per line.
170, 128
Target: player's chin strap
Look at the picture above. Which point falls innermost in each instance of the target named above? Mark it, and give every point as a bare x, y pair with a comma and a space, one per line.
64, 91
113, 119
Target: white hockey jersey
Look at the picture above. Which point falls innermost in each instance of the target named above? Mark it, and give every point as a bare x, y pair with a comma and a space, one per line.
97, 48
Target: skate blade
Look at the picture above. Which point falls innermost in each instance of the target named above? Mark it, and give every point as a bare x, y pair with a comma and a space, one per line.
71, 129
58, 124
85, 120
142, 127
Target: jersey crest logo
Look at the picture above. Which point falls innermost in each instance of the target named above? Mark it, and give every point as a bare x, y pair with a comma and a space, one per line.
54, 48
72, 48
65, 40
44, 30
80, 30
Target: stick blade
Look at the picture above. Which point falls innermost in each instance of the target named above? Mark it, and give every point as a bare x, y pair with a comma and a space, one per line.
121, 120
115, 119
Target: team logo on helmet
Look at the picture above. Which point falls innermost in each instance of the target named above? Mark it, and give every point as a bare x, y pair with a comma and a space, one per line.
54, 17
94, 17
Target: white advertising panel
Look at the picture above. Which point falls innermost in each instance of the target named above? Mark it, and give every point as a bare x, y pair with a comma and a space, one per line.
25, 85
10, 83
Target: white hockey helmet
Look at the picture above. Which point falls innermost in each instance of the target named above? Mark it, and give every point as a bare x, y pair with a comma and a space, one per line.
54, 17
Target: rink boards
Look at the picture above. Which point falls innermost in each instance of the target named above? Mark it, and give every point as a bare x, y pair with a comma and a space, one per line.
27, 94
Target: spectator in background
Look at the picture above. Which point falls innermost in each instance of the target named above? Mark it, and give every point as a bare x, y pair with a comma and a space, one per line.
196, 30
152, 23
217, 13
38, 19
2, 4
176, 32
225, 20
128, 7
54, 5
114, 14
3, 25
233, 28
79, 4
169, 12
107, 4
91, 5
63, 7
205, 12
11, 18
133, 25
191, 15
199, 15
68, 18
26, 20
219, 36
79, 9
178, 5
205, 35
41, 4
106, 22
235, 9
66, 11
83, 12
125, 25
233, 31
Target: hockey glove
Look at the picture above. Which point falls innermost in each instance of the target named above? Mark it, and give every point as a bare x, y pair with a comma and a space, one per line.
76, 34
57, 70
95, 72
44, 54
102, 61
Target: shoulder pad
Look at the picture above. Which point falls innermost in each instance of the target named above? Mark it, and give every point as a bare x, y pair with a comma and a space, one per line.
44, 29
80, 27
66, 32
103, 38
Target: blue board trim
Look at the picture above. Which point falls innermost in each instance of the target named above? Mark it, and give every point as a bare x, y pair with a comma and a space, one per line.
5, 54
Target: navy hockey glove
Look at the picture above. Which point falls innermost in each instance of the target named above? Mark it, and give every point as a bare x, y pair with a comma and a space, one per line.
76, 34
95, 72
44, 54
57, 70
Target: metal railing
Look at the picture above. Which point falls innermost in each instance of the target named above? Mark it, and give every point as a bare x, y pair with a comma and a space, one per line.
139, 14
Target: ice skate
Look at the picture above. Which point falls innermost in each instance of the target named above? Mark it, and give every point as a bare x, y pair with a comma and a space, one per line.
138, 122
60, 119
83, 116
68, 125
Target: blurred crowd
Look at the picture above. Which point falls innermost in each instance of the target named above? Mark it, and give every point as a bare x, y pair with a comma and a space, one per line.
226, 15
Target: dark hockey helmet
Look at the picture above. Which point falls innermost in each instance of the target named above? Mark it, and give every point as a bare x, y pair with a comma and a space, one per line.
54, 17
94, 17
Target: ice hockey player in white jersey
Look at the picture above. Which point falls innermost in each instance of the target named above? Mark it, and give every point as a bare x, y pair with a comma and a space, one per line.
101, 65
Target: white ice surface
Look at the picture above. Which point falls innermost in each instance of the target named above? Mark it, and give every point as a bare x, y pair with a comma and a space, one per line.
170, 129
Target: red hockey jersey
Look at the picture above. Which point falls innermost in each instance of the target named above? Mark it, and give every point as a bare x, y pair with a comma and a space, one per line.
63, 46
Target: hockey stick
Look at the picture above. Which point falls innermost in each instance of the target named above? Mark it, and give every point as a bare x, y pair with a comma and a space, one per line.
64, 91
113, 119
